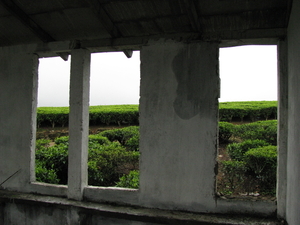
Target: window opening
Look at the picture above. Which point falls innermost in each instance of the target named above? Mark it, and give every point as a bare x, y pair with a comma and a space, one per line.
51, 156
113, 158
247, 153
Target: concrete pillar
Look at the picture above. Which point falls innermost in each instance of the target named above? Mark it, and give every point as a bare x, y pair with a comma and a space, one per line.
282, 127
78, 123
293, 154
18, 101
178, 125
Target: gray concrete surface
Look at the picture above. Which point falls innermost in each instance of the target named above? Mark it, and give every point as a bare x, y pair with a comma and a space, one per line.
17, 209
178, 125
293, 154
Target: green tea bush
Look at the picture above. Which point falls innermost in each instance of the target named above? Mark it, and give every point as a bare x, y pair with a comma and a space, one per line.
132, 143
114, 114
62, 140
129, 114
130, 180
234, 176
52, 116
261, 163
226, 130
42, 143
108, 163
105, 114
254, 110
93, 138
96, 138
236, 151
45, 175
263, 130
121, 135
54, 159
269, 112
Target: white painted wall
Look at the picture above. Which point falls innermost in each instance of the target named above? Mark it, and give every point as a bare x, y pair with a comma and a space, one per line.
178, 125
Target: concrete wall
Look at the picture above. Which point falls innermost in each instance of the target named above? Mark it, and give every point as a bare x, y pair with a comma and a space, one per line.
18, 208
178, 129
293, 156
37, 214
178, 125
18, 75
282, 135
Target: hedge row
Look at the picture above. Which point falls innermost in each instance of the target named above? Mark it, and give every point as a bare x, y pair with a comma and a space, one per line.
114, 158
108, 158
250, 110
99, 115
253, 158
256, 173
129, 114
263, 130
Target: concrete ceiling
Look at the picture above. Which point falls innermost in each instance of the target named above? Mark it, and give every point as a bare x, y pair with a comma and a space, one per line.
33, 21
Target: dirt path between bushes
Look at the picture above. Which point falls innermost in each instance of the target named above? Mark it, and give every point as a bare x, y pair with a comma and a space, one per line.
54, 132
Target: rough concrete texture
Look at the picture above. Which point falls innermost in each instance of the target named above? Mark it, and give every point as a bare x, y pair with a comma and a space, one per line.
293, 154
18, 75
178, 125
29, 209
282, 131
178, 115
79, 123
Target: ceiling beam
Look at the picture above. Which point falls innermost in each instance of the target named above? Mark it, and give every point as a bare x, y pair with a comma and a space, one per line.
17, 12
107, 23
190, 9
289, 9
104, 18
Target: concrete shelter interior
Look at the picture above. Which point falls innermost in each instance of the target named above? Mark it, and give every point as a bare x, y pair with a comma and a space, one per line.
179, 41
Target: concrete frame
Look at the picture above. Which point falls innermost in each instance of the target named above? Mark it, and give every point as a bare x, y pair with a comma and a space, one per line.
176, 103
184, 117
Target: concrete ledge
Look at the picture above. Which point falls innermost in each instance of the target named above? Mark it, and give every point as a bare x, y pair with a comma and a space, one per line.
20, 208
118, 195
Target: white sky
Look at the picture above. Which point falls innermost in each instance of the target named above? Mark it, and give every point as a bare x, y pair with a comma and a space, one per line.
247, 73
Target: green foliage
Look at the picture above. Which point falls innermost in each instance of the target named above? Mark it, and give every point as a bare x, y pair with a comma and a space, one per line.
98, 139
261, 163
108, 162
52, 116
236, 151
130, 180
132, 143
114, 114
234, 173
114, 153
129, 114
226, 130
62, 140
53, 159
45, 175
99, 115
254, 158
42, 143
121, 135
263, 130
254, 110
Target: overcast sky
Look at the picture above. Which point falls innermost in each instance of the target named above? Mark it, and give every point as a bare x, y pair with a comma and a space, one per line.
247, 73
